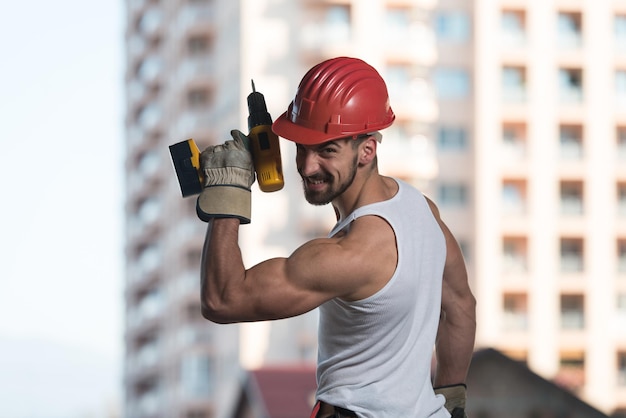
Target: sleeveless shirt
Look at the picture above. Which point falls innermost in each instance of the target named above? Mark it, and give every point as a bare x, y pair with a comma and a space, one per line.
374, 354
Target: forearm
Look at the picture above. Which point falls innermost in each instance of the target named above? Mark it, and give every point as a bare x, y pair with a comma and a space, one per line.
221, 268
455, 344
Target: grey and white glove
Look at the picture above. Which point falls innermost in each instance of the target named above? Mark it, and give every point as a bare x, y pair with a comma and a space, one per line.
455, 399
228, 172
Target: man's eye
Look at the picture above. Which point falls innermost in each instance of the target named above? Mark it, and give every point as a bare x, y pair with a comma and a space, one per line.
329, 150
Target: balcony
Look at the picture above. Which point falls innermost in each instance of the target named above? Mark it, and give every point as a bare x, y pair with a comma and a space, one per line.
196, 14
194, 68
570, 30
572, 312
513, 29
515, 312
571, 142
571, 85
151, 23
514, 85
572, 198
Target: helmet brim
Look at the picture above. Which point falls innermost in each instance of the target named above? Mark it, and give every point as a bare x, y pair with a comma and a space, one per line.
299, 134
285, 128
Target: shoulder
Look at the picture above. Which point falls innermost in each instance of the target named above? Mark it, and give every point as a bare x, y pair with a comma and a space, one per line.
370, 247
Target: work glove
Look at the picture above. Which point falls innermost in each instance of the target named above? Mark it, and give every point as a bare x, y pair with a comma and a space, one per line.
228, 174
455, 399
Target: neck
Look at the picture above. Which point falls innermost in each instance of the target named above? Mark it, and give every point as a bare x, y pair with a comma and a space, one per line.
367, 188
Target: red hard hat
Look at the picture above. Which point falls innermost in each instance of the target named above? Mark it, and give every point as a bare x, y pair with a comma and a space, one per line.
337, 98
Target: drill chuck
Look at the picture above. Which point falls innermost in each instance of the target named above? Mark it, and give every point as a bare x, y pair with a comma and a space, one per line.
257, 110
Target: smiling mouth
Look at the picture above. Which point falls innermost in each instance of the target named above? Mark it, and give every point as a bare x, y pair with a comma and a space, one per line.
315, 184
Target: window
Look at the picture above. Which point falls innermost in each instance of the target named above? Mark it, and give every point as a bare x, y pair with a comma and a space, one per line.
149, 397
328, 24
514, 84
514, 196
620, 87
452, 138
571, 85
149, 69
453, 195
148, 354
571, 374
621, 199
621, 368
150, 304
149, 257
570, 29
571, 197
337, 22
514, 140
515, 254
515, 311
571, 142
149, 210
149, 162
398, 78
619, 30
572, 255
148, 117
197, 372
621, 142
513, 25
452, 26
452, 83
572, 312
150, 21
620, 307
621, 255
198, 44
397, 22
197, 97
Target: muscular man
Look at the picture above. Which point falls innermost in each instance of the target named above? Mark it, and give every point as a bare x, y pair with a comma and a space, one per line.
390, 280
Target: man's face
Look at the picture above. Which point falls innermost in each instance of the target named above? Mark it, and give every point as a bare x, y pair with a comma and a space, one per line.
327, 169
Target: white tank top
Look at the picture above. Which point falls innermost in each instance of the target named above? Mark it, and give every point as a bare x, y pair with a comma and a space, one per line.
375, 354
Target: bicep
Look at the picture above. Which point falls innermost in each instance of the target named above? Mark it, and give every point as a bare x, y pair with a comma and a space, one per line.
350, 267
285, 287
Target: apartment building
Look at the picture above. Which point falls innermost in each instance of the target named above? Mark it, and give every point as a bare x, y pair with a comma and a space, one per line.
511, 114
531, 150
188, 69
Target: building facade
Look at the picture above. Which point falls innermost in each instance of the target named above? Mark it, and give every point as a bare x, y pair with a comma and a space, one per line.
188, 69
511, 115
532, 121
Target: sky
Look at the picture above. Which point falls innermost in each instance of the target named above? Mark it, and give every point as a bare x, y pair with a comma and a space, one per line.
61, 250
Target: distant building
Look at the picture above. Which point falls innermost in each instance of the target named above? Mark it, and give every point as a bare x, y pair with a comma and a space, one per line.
189, 64
532, 180
511, 115
498, 386
277, 392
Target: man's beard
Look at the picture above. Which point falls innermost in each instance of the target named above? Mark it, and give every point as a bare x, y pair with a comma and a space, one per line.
320, 198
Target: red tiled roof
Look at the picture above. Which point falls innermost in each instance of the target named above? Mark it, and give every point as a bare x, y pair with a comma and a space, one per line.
286, 391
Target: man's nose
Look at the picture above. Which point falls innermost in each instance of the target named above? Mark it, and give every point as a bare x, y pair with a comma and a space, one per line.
308, 163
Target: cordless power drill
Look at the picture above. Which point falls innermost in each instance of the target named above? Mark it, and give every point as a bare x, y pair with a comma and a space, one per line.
264, 147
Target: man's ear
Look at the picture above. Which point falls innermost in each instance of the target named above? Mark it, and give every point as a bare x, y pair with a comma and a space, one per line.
367, 151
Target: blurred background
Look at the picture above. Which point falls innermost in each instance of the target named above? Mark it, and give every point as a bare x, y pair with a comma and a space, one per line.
511, 115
